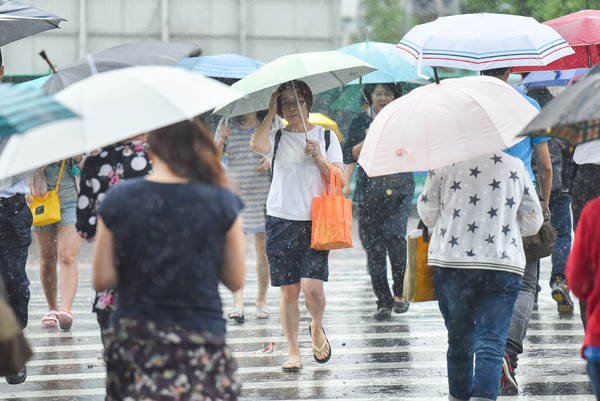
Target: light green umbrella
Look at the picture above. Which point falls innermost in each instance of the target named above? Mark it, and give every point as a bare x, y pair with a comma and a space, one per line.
319, 70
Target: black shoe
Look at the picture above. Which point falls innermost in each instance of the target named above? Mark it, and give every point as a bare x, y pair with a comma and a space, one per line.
508, 382
18, 378
401, 306
560, 293
383, 314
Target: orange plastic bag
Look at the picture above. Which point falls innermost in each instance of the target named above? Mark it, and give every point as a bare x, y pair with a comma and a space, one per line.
332, 216
418, 276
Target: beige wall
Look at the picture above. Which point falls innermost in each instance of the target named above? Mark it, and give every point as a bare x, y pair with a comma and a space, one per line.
262, 29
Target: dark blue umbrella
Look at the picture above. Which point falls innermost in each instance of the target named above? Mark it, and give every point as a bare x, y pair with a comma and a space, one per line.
23, 108
228, 65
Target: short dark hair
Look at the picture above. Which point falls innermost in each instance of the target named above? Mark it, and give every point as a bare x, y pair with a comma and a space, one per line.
0, 56
301, 87
395, 87
495, 72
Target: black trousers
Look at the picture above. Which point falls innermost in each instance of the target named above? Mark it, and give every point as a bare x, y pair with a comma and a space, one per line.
382, 228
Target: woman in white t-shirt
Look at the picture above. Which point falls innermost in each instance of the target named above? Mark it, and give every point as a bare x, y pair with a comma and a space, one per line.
301, 161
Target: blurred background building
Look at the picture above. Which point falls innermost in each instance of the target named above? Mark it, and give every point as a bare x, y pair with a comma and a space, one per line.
261, 29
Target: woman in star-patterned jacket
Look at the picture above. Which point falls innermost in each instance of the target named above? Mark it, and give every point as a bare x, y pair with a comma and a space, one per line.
477, 211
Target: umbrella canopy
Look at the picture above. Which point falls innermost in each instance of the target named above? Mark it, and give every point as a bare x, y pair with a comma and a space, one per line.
18, 21
114, 105
390, 67
551, 78
129, 55
574, 116
320, 70
440, 124
325, 122
23, 108
228, 65
581, 30
482, 41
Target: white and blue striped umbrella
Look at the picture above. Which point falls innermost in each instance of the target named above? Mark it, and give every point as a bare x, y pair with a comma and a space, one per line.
23, 108
228, 65
482, 41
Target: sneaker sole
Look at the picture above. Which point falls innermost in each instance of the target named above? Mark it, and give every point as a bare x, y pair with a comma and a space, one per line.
563, 301
511, 385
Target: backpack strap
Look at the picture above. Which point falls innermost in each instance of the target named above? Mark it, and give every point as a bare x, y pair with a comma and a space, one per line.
275, 146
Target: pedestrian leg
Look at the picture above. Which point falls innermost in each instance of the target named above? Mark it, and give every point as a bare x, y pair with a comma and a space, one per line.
289, 313
262, 275
48, 249
68, 247
314, 296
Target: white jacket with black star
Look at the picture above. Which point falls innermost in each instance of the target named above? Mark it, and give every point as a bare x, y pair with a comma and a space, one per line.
477, 211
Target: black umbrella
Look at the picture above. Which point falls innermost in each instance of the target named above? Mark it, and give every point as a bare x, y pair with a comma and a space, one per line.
18, 20
129, 55
574, 115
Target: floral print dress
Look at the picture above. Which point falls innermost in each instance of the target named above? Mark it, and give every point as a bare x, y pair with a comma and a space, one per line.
101, 170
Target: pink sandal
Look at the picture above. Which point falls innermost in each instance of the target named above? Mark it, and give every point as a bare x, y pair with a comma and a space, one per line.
50, 319
65, 319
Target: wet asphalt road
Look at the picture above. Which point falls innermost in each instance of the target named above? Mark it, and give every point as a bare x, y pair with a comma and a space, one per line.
400, 359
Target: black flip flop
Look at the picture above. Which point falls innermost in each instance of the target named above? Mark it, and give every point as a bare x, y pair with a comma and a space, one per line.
319, 349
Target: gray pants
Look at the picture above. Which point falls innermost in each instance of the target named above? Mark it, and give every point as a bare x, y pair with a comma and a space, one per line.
522, 313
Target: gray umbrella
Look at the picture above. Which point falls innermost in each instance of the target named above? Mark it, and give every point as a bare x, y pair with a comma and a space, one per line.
129, 55
18, 20
574, 115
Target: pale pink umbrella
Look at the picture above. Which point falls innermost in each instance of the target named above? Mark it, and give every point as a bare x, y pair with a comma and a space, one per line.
444, 123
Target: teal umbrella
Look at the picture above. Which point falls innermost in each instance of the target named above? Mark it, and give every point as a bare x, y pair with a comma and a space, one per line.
390, 67
319, 70
23, 108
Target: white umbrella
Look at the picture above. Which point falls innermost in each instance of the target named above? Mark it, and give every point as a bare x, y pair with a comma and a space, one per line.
482, 41
440, 124
114, 105
321, 71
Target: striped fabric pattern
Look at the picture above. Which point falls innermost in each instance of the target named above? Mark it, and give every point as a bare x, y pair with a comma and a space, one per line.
250, 185
482, 41
23, 108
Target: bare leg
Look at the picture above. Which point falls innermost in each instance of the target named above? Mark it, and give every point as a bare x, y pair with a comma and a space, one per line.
46, 242
238, 299
68, 246
262, 268
289, 313
314, 296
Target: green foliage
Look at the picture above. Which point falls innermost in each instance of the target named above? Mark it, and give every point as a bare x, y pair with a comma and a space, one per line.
541, 10
384, 19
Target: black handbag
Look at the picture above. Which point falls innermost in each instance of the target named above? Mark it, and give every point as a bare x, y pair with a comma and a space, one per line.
540, 245
14, 348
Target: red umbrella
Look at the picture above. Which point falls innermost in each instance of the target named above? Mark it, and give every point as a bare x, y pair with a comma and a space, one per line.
581, 30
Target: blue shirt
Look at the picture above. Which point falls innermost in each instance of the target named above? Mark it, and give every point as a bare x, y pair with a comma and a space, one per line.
524, 149
169, 244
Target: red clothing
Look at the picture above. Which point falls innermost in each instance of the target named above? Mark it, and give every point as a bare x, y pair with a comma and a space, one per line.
582, 271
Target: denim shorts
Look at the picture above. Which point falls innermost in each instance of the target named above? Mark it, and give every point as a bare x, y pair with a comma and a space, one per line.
68, 216
290, 255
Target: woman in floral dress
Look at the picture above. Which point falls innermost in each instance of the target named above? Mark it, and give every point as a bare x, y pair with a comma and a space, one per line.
101, 170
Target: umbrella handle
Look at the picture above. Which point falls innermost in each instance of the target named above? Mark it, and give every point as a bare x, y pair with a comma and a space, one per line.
400, 152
